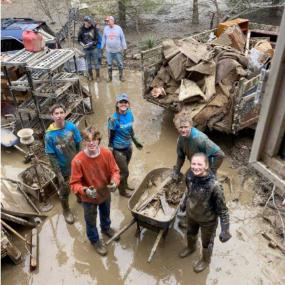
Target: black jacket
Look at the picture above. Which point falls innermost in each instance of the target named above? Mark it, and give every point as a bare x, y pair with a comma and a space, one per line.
88, 36
205, 199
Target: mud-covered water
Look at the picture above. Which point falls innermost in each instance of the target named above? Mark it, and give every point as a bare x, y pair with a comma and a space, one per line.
66, 256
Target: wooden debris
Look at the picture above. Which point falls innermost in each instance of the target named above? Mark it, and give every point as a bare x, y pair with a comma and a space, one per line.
153, 250
14, 232
34, 250
17, 220
166, 209
148, 200
273, 243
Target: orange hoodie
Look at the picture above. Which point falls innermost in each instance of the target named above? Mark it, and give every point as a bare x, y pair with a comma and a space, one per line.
97, 172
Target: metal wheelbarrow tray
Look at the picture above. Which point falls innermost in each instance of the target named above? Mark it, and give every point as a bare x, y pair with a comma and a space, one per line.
159, 224
35, 191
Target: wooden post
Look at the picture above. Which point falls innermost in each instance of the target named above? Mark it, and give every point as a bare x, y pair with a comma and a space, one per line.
34, 250
153, 250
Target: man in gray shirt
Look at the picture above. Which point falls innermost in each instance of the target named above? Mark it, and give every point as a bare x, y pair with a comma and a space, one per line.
114, 40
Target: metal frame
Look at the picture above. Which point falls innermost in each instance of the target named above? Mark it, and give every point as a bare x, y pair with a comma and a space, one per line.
42, 69
271, 125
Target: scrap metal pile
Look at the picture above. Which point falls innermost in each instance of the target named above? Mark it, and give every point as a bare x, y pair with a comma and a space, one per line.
199, 78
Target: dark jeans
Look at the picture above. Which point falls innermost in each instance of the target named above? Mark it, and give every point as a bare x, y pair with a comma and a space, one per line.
92, 57
90, 216
123, 158
208, 231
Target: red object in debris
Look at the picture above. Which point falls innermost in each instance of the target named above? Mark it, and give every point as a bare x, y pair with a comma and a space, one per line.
33, 41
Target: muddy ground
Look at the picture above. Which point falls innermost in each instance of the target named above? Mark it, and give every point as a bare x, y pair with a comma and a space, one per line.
66, 256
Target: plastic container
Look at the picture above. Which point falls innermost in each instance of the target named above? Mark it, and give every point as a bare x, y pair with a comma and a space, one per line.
33, 41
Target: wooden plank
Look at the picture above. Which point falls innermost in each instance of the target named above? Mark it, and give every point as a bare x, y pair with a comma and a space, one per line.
34, 250
165, 206
148, 200
273, 242
153, 250
14, 232
23, 214
17, 220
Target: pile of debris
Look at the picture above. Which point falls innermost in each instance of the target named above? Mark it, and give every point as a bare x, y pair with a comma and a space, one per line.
200, 78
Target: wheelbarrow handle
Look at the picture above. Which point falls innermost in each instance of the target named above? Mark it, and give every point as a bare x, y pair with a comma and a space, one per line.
121, 231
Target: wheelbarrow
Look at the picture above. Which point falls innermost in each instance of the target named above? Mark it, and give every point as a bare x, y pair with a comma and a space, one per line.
156, 189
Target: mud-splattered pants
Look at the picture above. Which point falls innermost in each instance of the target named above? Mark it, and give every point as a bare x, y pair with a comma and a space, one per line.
208, 231
90, 216
123, 158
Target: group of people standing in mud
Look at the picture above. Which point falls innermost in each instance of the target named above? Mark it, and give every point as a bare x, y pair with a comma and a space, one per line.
93, 172
92, 42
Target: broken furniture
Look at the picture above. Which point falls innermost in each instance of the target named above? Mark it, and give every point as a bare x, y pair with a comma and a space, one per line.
154, 205
48, 83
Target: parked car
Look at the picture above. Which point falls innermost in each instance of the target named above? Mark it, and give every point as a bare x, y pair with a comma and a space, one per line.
12, 30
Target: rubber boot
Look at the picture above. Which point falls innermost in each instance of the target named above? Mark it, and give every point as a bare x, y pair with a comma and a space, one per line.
98, 75
90, 74
205, 260
109, 75
124, 193
121, 75
66, 212
190, 248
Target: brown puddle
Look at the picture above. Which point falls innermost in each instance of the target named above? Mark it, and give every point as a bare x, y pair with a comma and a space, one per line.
66, 256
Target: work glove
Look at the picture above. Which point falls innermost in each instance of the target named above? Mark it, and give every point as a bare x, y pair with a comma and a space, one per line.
90, 192
225, 232
137, 143
112, 186
175, 174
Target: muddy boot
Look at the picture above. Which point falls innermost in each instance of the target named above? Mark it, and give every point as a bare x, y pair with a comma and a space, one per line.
190, 248
204, 262
100, 247
121, 75
78, 198
66, 212
109, 75
124, 193
182, 223
98, 75
90, 74
110, 233
130, 188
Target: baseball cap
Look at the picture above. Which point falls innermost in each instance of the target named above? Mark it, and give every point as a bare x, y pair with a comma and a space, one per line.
121, 97
87, 19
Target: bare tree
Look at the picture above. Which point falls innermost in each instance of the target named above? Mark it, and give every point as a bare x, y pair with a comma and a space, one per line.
216, 14
195, 14
135, 8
